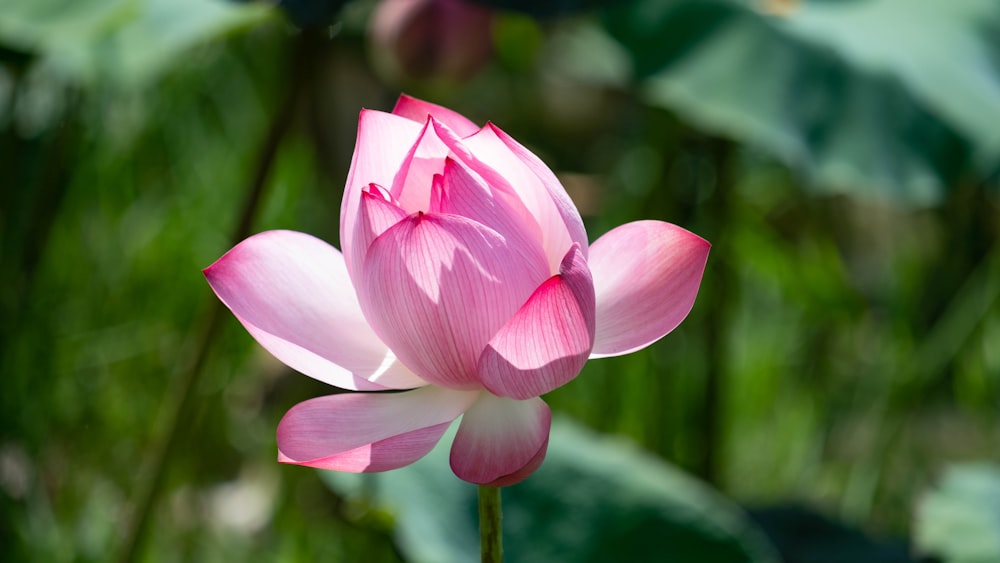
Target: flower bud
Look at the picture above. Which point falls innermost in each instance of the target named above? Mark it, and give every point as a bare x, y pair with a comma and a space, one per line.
448, 39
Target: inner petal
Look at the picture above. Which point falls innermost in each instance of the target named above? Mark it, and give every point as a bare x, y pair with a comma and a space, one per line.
411, 187
436, 287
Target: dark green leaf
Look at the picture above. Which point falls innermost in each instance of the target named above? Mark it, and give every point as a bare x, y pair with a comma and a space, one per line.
803, 535
594, 499
893, 97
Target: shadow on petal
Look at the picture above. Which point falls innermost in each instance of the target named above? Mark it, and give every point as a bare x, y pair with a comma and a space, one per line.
501, 441
547, 342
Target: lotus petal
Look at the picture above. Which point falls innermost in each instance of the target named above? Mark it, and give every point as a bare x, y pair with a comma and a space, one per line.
419, 110
646, 276
292, 293
364, 432
384, 142
501, 441
436, 287
547, 342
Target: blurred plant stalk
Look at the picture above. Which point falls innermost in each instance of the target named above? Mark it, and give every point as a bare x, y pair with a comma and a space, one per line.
159, 453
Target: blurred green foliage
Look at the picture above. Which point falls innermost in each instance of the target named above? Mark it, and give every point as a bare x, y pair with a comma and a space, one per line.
885, 96
842, 158
595, 498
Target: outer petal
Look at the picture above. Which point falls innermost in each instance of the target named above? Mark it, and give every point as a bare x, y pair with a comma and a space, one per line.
368, 431
547, 342
419, 110
436, 288
384, 142
501, 441
646, 275
292, 293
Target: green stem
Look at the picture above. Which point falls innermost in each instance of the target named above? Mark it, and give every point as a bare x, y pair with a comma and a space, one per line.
490, 526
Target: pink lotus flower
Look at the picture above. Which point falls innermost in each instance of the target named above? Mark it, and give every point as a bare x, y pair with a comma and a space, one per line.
466, 278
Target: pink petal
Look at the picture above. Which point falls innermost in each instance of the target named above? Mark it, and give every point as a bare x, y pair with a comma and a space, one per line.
547, 342
501, 441
498, 185
384, 142
436, 288
292, 293
377, 214
368, 431
437, 194
493, 151
646, 275
411, 187
565, 208
463, 193
418, 110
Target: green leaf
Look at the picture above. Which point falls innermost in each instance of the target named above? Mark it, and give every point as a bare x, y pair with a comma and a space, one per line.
595, 498
960, 520
893, 97
804, 535
125, 41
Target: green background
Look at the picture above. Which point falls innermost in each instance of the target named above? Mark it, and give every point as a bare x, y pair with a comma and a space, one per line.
842, 156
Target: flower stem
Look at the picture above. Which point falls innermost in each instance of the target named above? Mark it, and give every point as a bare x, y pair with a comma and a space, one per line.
490, 526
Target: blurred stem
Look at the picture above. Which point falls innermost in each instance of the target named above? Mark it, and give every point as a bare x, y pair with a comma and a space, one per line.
490, 525
718, 289
922, 371
28, 214
179, 409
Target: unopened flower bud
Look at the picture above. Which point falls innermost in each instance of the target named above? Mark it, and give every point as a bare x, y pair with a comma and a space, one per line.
447, 39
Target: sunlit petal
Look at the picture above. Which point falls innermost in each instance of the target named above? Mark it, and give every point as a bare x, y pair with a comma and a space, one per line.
362, 432
384, 141
292, 293
436, 288
419, 110
646, 276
